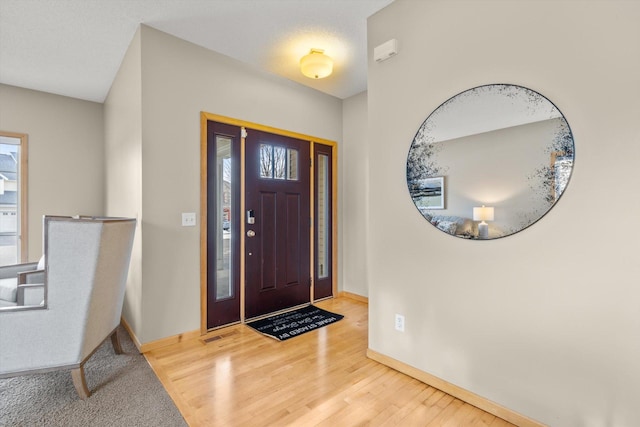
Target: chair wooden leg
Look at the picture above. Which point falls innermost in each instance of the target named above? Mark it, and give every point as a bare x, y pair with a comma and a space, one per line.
79, 382
115, 342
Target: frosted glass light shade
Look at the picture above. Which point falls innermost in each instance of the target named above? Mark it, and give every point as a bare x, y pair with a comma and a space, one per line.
483, 214
316, 64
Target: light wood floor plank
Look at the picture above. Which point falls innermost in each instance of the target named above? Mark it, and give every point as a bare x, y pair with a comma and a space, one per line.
408, 407
237, 377
478, 418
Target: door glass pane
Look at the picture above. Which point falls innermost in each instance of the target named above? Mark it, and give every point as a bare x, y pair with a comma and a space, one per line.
224, 249
322, 220
292, 170
266, 161
9, 187
279, 162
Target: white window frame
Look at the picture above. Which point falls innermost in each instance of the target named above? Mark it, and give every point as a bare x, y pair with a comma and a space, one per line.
22, 234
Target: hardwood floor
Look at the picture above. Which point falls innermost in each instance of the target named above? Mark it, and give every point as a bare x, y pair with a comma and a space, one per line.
237, 377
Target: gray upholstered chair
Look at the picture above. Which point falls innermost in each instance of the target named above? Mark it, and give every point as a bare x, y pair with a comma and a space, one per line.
86, 267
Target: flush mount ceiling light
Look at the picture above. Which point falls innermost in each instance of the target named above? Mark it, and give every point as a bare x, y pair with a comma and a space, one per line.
316, 64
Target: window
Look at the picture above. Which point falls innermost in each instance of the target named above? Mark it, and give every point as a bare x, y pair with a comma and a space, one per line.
224, 193
13, 210
278, 162
322, 216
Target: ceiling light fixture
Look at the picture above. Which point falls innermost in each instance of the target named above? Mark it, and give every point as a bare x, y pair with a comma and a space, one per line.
316, 64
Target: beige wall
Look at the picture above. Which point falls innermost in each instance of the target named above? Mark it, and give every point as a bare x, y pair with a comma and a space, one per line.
123, 158
179, 80
66, 170
353, 198
545, 322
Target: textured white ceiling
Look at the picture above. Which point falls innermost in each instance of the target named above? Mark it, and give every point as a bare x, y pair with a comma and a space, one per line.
74, 47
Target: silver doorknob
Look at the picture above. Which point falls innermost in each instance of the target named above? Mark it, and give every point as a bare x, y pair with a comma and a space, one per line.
251, 233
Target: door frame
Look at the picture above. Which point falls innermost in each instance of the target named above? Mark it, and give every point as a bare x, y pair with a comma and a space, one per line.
205, 117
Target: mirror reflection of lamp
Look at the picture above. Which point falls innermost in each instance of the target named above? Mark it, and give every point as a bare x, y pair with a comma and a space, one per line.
483, 214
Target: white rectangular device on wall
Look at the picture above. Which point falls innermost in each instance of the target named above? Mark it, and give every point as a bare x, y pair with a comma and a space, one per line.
386, 50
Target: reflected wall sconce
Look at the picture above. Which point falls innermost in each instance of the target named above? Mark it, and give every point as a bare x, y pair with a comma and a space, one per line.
483, 214
316, 65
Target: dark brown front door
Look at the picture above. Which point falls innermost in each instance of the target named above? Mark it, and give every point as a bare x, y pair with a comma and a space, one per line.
277, 223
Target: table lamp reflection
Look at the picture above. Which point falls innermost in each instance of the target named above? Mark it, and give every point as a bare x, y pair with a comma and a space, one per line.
483, 214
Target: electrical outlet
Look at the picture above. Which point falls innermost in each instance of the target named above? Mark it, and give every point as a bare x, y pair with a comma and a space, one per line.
399, 322
188, 219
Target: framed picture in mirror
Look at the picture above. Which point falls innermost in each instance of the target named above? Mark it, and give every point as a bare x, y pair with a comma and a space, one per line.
428, 193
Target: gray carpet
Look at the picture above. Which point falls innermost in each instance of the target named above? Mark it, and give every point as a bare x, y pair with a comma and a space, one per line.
125, 392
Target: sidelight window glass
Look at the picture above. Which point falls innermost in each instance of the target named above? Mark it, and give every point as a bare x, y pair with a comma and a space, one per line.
224, 194
322, 220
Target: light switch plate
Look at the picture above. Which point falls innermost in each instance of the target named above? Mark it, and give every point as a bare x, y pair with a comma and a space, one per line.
188, 219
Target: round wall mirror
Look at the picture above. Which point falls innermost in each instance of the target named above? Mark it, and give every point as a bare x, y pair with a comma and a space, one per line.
490, 161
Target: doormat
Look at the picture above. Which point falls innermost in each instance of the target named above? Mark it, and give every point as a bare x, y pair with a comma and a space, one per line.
293, 323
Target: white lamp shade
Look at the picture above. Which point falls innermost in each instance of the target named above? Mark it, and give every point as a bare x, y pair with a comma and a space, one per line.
483, 214
316, 64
